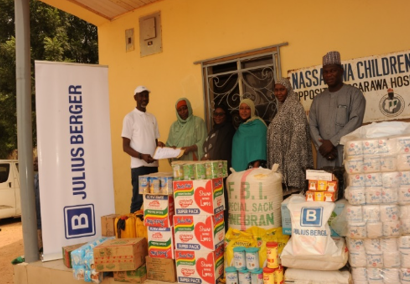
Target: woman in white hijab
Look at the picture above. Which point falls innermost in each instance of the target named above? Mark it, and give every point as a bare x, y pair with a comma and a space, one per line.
249, 141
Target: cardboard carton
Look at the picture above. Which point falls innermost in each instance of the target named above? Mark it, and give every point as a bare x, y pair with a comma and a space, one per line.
67, 253
199, 232
199, 197
108, 225
161, 269
161, 242
135, 276
120, 254
319, 175
158, 210
156, 183
314, 195
202, 266
323, 185
83, 256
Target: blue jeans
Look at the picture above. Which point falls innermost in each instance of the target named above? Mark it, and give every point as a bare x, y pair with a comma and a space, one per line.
137, 199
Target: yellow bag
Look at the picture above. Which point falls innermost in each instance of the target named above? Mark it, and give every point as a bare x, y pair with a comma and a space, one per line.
236, 238
263, 236
125, 226
141, 230
277, 236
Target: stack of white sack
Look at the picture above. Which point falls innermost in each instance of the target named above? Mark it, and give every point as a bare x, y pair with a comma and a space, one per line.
255, 198
379, 253
378, 188
311, 246
301, 276
383, 154
373, 221
363, 275
377, 163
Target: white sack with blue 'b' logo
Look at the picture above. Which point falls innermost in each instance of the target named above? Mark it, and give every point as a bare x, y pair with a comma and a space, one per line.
310, 229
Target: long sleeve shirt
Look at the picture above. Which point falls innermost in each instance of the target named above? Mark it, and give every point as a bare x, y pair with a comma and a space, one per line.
333, 115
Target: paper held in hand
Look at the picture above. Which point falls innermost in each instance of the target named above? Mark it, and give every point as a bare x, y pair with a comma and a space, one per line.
167, 153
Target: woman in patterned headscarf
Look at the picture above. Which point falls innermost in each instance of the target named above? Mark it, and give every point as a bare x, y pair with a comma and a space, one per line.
288, 139
188, 132
249, 141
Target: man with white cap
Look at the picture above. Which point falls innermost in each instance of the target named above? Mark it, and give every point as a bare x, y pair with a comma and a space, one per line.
139, 139
334, 113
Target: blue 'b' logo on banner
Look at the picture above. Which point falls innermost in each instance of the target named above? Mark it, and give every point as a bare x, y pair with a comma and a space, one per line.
311, 217
79, 221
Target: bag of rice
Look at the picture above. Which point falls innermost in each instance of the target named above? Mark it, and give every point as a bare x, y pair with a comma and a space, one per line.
255, 198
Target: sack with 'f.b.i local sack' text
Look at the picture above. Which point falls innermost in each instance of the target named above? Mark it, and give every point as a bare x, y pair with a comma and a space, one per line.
254, 198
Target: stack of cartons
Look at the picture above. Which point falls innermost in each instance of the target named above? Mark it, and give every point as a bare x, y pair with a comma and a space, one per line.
67, 253
158, 218
124, 257
82, 261
323, 186
199, 222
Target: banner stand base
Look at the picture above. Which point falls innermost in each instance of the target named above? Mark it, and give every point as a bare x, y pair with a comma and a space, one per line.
51, 256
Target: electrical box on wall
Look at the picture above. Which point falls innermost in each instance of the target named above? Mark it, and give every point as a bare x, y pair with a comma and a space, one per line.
129, 40
150, 34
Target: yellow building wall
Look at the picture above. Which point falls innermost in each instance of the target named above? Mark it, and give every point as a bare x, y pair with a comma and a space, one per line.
193, 30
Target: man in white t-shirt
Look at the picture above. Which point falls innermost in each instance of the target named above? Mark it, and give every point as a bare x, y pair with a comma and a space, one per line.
139, 139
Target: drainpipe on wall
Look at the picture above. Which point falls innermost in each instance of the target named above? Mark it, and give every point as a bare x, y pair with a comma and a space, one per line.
24, 129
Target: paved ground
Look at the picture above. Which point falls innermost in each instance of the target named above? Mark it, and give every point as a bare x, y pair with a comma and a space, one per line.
11, 246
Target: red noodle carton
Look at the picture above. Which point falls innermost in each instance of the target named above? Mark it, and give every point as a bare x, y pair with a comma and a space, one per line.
158, 210
202, 266
321, 181
323, 185
314, 195
161, 242
199, 197
199, 232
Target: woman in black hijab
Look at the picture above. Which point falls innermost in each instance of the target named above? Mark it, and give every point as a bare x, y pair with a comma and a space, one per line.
218, 145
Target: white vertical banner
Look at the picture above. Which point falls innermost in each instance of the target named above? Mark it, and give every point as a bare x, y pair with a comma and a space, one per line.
74, 151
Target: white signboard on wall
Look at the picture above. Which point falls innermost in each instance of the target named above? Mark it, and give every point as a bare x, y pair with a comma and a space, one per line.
384, 81
74, 150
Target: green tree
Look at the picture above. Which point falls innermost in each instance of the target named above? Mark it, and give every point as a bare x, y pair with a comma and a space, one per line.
54, 36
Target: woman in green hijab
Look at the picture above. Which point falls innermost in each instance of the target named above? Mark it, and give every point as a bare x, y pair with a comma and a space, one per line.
249, 141
188, 132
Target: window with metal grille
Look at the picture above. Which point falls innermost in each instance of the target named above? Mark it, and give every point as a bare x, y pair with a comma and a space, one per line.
250, 74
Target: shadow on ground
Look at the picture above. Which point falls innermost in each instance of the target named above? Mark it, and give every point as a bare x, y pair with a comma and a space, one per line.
11, 247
